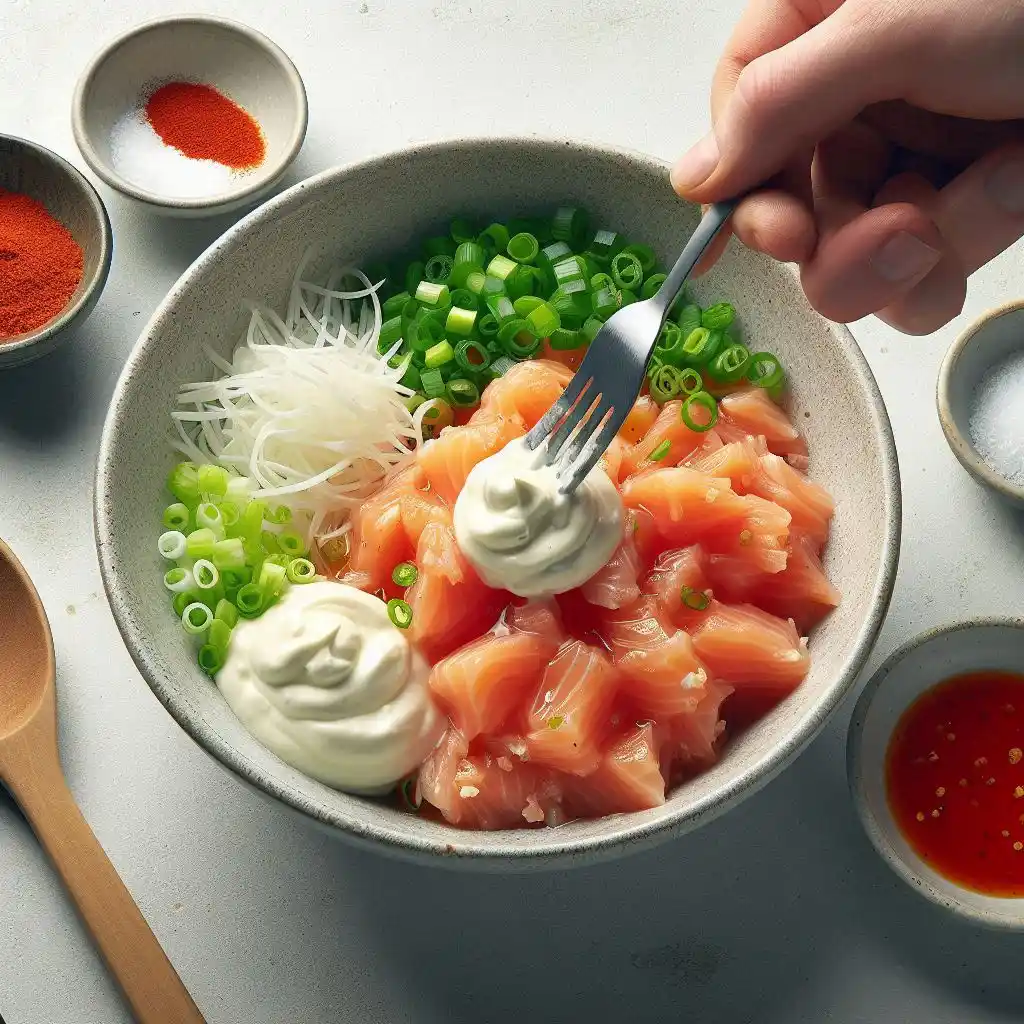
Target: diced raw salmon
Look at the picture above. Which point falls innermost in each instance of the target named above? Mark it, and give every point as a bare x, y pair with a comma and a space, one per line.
378, 537
636, 627
450, 604
640, 419
738, 462
524, 393
810, 505
614, 585
539, 617
742, 645
483, 682
670, 427
665, 678
751, 410
569, 716
611, 461
628, 777
672, 572
691, 739
447, 460
801, 591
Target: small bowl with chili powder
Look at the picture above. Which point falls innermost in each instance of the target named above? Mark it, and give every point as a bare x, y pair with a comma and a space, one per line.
55, 249
191, 116
936, 766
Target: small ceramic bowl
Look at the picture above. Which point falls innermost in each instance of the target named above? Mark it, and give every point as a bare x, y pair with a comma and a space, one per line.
986, 343
237, 61
974, 645
31, 170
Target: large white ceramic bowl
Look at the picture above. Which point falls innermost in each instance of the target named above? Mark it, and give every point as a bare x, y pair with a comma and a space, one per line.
376, 208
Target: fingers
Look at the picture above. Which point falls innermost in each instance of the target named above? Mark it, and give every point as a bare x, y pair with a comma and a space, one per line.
789, 99
981, 212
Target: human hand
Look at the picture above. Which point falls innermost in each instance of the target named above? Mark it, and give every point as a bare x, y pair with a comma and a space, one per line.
890, 136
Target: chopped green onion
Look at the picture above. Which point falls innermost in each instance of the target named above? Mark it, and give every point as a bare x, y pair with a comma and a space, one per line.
628, 296
718, 317
573, 305
229, 554
291, 543
461, 230
606, 301
280, 515
626, 270
690, 381
438, 269
199, 544
208, 518
439, 245
556, 721
543, 320
697, 600
272, 578
423, 332
463, 392
471, 355
219, 635
522, 281
404, 574
487, 326
300, 570
226, 612
413, 402
433, 383
502, 365
523, 248
393, 306
700, 346
206, 574
501, 267
563, 340
765, 370
465, 299
651, 285
196, 618
606, 244
699, 399
526, 304
689, 319
179, 580
437, 355
571, 268
517, 339
460, 321
664, 383
269, 541
176, 516
644, 254
183, 483
408, 791
172, 545
730, 365
591, 326
570, 224
497, 235
400, 613
670, 345
182, 599
661, 451
502, 308
249, 600
433, 296
212, 480
438, 415
211, 658
390, 334
413, 276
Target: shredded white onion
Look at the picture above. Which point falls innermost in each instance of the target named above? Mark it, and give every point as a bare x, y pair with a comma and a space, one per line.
306, 408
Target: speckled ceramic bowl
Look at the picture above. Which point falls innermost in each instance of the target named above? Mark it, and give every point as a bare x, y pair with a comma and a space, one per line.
238, 61
375, 208
34, 171
971, 646
997, 336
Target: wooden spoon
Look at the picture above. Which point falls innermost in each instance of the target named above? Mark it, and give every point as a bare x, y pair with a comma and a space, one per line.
30, 768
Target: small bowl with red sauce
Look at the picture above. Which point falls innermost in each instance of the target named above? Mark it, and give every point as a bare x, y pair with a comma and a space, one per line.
936, 766
191, 116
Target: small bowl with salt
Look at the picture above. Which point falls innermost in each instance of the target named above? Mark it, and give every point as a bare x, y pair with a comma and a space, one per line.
191, 116
980, 397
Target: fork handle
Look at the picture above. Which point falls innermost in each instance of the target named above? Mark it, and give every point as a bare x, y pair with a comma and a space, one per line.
710, 224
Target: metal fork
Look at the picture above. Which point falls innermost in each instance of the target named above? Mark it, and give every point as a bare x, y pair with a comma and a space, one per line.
581, 425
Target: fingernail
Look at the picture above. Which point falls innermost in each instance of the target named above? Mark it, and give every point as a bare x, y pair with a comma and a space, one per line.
903, 257
1006, 185
694, 167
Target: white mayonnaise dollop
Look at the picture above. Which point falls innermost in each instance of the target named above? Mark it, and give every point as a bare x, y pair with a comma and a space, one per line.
521, 534
330, 685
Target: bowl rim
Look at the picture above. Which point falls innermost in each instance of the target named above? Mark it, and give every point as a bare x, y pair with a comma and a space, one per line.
960, 444
96, 281
856, 777
251, 187
549, 847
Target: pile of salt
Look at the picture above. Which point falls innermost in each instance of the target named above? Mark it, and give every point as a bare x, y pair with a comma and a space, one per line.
997, 418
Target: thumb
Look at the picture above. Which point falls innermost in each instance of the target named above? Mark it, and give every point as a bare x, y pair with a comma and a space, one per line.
788, 100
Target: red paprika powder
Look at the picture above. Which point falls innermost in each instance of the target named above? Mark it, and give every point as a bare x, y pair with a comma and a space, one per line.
40, 265
203, 124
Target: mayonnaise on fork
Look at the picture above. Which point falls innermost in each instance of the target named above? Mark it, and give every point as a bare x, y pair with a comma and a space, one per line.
522, 534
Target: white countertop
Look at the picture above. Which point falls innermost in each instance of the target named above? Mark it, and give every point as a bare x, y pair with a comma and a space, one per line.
779, 913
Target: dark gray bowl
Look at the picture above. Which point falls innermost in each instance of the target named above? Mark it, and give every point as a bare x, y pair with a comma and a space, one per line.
372, 209
34, 171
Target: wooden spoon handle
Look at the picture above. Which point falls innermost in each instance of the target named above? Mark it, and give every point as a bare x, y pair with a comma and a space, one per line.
147, 978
